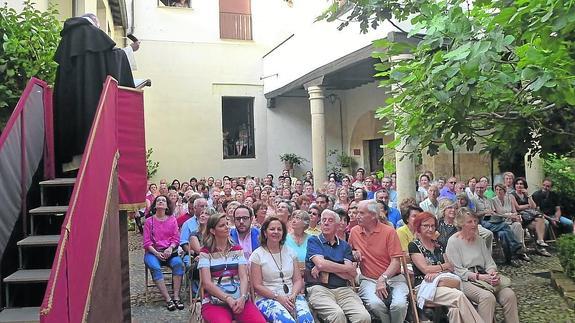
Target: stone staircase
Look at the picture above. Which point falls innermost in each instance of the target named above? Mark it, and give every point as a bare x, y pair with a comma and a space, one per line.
25, 288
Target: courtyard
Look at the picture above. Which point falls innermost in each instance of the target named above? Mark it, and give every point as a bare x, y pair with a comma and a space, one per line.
538, 301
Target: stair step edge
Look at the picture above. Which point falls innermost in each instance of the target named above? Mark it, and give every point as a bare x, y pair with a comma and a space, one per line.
20, 315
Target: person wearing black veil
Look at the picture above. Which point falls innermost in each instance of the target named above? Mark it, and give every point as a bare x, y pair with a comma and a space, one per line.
86, 56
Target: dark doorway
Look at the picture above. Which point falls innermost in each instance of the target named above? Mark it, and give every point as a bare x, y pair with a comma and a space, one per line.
375, 154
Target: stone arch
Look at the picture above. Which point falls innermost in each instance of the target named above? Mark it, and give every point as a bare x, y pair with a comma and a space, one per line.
366, 128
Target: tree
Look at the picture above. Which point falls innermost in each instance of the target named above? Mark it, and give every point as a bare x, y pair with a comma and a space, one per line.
490, 71
28, 41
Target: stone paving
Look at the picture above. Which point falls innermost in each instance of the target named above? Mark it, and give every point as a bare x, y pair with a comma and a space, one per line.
538, 301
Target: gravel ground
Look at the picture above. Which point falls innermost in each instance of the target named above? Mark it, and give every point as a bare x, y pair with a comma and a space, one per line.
538, 301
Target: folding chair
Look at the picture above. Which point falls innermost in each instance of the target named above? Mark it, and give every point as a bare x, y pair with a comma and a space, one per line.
166, 271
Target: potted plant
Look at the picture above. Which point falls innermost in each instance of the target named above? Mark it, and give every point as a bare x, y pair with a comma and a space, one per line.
290, 160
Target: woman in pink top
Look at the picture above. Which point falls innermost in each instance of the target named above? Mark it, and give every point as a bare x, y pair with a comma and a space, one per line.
161, 239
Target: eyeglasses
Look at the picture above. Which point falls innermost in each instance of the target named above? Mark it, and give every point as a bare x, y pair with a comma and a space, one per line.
428, 226
242, 218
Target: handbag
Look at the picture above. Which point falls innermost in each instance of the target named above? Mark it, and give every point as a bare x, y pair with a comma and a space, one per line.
230, 285
530, 214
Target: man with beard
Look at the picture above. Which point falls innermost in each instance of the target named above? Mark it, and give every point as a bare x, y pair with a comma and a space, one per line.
243, 234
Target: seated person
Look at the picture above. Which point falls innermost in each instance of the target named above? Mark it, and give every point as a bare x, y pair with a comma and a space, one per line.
276, 277
446, 228
531, 217
473, 263
548, 202
495, 224
191, 225
297, 239
406, 233
431, 263
377, 250
430, 204
161, 246
243, 234
329, 270
223, 269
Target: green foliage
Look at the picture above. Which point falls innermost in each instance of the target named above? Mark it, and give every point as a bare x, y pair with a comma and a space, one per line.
151, 165
339, 162
561, 170
28, 41
566, 248
490, 72
292, 158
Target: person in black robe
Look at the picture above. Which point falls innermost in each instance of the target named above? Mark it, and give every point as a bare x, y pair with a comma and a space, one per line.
85, 57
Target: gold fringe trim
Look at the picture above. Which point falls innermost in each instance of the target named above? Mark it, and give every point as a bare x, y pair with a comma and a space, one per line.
132, 207
99, 246
79, 182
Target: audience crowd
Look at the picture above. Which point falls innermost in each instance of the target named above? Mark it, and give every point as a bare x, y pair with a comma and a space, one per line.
282, 250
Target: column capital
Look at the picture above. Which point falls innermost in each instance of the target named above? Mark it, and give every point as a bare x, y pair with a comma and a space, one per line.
316, 92
317, 82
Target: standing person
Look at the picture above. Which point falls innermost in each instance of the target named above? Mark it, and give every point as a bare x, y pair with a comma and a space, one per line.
548, 202
83, 67
222, 270
431, 266
377, 248
243, 234
276, 277
475, 266
160, 242
329, 270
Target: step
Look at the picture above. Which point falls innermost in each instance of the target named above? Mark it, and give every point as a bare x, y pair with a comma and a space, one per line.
46, 210
20, 315
28, 276
39, 241
59, 182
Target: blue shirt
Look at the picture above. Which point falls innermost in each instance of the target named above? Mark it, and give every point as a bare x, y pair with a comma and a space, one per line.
338, 253
392, 198
300, 250
447, 194
394, 216
190, 226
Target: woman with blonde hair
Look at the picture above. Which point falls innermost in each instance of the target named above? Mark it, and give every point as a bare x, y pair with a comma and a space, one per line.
473, 263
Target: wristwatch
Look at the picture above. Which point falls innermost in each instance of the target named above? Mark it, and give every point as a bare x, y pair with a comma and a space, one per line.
385, 278
275, 298
246, 297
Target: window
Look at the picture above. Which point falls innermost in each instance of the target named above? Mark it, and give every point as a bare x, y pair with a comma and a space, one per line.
238, 127
235, 19
175, 3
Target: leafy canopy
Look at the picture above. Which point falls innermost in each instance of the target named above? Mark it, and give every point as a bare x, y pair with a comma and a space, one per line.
28, 41
491, 71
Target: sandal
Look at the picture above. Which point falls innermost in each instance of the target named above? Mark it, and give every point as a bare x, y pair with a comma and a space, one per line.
170, 305
179, 304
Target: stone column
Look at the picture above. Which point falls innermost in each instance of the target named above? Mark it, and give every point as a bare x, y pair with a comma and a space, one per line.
316, 97
534, 173
404, 165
